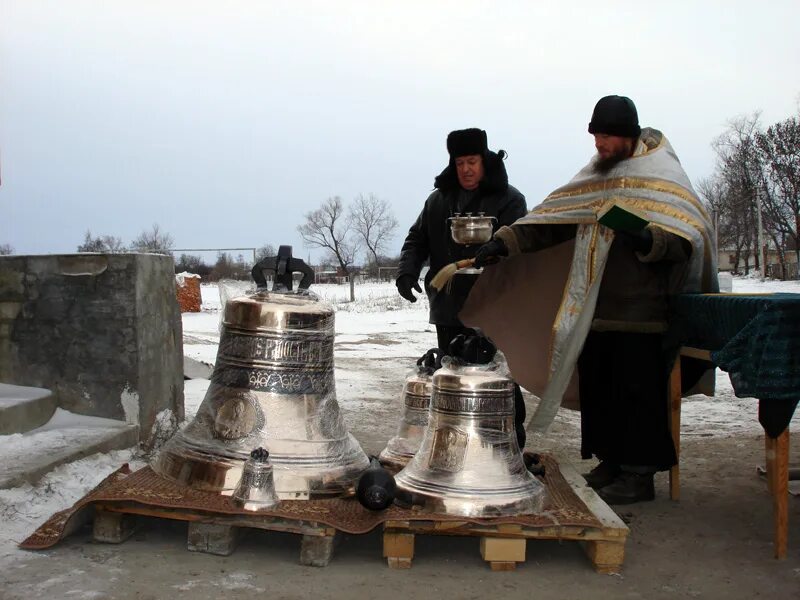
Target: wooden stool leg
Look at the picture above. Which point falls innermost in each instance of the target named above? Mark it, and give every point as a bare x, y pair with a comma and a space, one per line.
675, 427
777, 461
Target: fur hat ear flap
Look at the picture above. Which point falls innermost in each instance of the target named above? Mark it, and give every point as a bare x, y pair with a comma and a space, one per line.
464, 142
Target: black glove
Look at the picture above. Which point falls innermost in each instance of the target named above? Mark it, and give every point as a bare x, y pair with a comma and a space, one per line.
405, 283
641, 241
490, 250
474, 349
430, 361
478, 350
456, 346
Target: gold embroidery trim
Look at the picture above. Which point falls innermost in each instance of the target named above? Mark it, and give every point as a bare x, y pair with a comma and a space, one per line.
655, 185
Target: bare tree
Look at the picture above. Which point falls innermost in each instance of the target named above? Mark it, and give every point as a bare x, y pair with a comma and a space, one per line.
265, 251
6, 249
154, 241
228, 267
779, 147
740, 173
331, 229
755, 190
375, 224
108, 244
192, 263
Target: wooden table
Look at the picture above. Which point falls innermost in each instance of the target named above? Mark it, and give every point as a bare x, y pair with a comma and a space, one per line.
777, 457
756, 339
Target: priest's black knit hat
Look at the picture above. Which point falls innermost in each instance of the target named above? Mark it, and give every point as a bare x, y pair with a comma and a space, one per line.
464, 142
615, 115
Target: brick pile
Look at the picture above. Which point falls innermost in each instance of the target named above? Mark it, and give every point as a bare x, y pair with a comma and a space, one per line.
187, 286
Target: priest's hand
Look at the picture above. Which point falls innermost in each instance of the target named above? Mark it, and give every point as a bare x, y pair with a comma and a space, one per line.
489, 252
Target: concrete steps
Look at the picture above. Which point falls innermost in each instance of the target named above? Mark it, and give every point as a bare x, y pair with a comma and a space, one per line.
26, 457
24, 408
36, 436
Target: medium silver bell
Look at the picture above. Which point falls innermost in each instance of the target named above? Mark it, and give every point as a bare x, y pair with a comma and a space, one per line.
469, 462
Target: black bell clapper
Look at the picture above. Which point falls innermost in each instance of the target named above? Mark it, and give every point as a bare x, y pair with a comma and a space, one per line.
376, 487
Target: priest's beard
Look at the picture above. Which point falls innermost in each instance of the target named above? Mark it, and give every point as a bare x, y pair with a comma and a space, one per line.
604, 165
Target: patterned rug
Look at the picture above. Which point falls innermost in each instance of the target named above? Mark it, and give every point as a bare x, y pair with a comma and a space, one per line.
147, 489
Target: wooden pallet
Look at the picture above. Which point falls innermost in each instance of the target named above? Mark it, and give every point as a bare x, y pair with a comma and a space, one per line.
503, 545
214, 533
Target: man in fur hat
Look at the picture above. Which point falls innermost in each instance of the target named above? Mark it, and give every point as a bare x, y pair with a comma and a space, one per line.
474, 181
577, 293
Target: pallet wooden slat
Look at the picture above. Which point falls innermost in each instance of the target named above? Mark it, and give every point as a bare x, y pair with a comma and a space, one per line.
503, 545
214, 533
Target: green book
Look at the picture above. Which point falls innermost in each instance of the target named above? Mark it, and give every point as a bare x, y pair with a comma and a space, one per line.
622, 219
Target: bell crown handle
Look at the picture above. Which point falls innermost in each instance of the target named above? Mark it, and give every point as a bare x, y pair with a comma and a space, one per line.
282, 266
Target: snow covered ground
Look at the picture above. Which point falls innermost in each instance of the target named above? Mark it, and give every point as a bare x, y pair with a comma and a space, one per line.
377, 326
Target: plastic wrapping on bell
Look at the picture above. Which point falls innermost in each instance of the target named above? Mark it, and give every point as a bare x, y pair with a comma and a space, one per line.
228, 290
256, 488
414, 420
272, 387
469, 462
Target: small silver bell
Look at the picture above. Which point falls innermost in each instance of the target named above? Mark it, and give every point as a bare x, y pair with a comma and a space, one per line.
256, 488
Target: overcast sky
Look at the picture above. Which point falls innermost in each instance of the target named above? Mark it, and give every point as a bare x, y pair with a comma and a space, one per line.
226, 122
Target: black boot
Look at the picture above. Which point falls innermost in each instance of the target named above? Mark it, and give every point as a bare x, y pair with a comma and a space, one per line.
602, 475
628, 488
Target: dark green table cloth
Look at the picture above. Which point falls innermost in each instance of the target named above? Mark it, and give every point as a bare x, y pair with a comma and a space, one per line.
756, 339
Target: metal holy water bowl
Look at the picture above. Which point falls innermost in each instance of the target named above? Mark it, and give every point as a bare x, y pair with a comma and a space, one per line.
272, 387
469, 462
471, 229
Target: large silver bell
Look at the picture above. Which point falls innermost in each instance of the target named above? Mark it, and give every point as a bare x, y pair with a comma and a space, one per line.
469, 462
272, 387
414, 421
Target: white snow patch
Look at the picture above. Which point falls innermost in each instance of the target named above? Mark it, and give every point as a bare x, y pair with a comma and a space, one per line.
194, 390
11, 395
164, 427
130, 404
180, 278
24, 508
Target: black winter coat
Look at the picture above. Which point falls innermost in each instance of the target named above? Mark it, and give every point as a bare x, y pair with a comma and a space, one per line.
429, 237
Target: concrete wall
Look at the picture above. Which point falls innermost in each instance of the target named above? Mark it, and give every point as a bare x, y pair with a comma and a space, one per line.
102, 331
725, 259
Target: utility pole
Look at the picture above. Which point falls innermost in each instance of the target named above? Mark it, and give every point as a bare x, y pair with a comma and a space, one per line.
715, 223
762, 249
